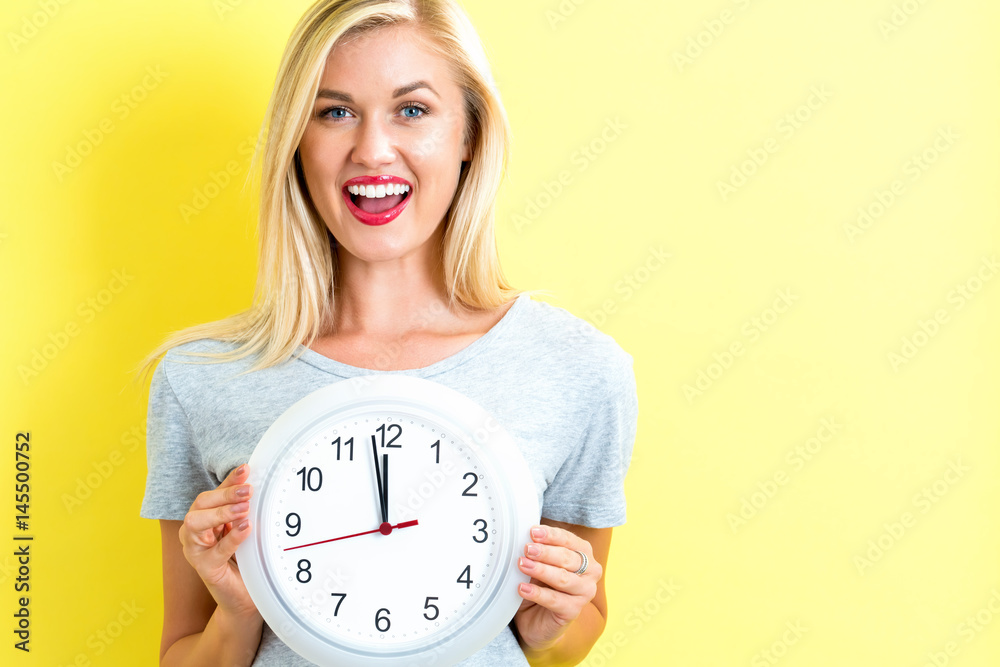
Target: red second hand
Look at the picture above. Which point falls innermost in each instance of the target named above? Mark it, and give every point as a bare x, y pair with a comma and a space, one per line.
405, 524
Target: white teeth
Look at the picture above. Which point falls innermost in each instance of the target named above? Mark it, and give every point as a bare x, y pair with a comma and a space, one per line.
378, 191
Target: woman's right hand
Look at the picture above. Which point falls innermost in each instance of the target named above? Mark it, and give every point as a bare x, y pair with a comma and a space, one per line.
213, 528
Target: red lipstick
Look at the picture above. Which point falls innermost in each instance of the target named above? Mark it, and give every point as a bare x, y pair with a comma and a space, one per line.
382, 217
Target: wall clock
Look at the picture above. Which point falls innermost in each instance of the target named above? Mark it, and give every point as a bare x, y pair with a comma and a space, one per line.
387, 518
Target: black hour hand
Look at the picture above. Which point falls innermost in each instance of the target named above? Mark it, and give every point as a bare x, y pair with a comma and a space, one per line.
380, 480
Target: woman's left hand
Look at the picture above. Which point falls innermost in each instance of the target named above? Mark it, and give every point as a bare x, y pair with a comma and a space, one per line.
556, 595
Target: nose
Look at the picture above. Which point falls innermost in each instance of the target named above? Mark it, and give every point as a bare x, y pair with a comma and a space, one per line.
374, 146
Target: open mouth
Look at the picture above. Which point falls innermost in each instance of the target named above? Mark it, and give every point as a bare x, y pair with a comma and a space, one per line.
378, 198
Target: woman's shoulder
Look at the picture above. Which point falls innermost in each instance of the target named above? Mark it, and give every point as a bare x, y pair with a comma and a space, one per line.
196, 361
197, 351
573, 340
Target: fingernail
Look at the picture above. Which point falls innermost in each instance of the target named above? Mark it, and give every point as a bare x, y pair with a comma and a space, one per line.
241, 469
527, 564
532, 551
538, 532
241, 507
243, 524
243, 492
525, 588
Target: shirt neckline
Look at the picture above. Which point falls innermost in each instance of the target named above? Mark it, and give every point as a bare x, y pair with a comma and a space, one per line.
341, 369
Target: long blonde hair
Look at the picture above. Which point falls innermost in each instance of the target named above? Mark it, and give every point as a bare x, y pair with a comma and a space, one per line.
297, 272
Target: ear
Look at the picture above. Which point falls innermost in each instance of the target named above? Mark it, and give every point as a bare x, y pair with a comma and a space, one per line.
467, 151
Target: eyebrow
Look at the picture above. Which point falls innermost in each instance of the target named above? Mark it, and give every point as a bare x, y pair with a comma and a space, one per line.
326, 93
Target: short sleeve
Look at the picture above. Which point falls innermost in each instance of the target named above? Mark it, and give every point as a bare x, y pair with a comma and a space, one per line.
175, 472
589, 488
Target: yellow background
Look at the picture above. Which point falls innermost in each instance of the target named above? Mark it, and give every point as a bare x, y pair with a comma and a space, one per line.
669, 98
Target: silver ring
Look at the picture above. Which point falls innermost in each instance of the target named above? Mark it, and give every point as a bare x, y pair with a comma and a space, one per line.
586, 561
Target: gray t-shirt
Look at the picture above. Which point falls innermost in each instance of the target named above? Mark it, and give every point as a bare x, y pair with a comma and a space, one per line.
563, 390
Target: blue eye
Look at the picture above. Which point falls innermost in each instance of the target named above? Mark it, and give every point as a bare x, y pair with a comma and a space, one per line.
413, 111
335, 112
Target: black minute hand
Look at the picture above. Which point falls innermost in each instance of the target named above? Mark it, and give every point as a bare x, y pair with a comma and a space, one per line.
385, 488
378, 479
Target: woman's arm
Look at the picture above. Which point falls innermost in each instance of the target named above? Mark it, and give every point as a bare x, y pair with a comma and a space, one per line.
195, 630
564, 614
208, 616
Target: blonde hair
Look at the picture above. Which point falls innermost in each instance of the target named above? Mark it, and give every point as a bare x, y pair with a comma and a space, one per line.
297, 272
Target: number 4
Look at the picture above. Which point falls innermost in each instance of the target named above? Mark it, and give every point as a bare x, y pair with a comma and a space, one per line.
467, 573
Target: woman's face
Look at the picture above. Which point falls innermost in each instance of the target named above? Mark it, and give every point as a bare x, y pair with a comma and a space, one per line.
389, 117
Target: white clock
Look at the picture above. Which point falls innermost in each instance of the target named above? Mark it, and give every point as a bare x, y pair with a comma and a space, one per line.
387, 518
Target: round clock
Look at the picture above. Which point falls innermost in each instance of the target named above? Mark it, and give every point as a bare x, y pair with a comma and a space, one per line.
388, 516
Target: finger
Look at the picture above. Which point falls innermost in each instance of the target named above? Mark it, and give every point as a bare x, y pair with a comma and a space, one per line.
222, 495
559, 579
233, 539
237, 475
232, 489
560, 537
564, 607
212, 563
201, 525
568, 559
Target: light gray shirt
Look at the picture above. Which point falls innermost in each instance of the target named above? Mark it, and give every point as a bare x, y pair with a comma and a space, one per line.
563, 390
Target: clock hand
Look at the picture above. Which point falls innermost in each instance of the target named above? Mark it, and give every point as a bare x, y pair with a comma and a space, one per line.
385, 529
385, 488
378, 479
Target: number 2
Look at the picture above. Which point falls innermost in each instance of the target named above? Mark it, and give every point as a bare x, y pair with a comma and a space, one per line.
471, 484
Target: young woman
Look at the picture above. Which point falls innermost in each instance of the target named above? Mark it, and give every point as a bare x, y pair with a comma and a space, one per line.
384, 145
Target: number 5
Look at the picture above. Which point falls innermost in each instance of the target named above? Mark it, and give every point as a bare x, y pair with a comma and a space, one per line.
428, 605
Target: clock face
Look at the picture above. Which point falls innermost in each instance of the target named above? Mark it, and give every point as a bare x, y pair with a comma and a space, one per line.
388, 516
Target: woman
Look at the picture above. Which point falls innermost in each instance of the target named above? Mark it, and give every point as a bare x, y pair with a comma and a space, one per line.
385, 145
